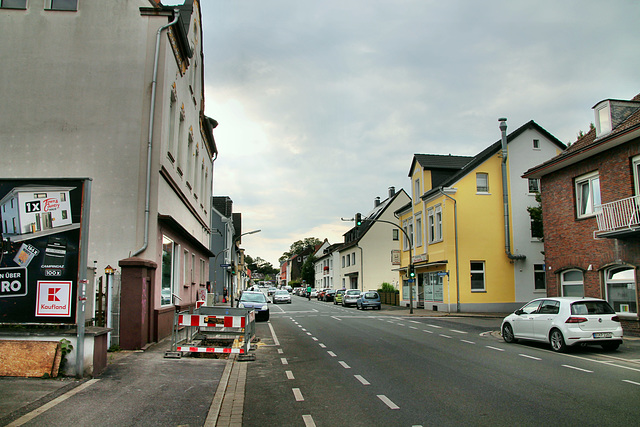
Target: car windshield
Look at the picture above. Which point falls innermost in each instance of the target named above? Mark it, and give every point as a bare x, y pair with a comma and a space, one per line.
371, 295
591, 307
253, 297
353, 292
282, 292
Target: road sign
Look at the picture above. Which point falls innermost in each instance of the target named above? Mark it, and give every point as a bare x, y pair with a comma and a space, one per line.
225, 265
411, 280
442, 273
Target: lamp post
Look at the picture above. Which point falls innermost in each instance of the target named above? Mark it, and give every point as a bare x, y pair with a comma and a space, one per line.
233, 246
108, 271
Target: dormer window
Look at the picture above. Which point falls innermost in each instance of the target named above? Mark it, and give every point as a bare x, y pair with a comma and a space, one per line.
603, 118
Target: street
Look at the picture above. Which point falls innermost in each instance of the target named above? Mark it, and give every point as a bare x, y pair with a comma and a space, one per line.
322, 364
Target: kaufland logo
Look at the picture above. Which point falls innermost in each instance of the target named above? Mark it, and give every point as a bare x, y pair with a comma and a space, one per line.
54, 299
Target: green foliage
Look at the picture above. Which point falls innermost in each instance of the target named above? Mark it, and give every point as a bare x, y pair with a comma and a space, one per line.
308, 273
259, 265
299, 246
65, 348
387, 287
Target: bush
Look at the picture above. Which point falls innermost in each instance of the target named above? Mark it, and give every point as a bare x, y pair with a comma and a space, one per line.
387, 287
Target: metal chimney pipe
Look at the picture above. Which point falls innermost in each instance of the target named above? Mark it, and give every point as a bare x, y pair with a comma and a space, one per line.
505, 193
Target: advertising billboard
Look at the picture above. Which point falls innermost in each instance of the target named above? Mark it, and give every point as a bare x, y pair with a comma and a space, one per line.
41, 222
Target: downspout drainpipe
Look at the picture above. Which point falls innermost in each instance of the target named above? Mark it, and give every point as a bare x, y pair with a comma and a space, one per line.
505, 194
152, 109
455, 222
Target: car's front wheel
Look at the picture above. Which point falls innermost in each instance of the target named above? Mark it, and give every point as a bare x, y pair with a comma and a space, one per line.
557, 341
507, 333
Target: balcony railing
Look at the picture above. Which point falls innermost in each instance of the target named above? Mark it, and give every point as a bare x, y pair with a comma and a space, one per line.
619, 215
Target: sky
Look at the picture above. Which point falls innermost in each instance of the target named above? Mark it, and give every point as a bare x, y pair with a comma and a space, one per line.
322, 104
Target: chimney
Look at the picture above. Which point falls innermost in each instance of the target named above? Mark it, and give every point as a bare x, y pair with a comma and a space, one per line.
376, 202
392, 191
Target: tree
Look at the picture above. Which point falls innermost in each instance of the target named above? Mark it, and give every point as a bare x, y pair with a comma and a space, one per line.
261, 266
308, 273
299, 246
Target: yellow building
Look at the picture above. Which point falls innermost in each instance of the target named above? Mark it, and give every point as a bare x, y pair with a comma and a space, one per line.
472, 246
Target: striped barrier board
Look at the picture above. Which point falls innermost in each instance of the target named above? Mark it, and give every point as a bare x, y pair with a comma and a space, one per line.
212, 350
213, 321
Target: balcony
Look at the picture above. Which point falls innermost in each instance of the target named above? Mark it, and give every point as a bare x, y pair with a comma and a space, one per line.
619, 219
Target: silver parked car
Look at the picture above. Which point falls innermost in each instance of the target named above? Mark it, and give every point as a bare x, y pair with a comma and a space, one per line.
350, 297
565, 321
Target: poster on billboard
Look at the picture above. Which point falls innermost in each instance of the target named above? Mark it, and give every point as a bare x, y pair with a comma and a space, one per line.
40, 221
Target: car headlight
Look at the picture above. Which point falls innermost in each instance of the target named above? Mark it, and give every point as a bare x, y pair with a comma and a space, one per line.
264, 307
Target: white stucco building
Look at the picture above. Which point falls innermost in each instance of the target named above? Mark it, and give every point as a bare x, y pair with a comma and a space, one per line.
114, 92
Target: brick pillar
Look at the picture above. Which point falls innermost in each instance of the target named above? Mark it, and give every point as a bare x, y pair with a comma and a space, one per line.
136, 302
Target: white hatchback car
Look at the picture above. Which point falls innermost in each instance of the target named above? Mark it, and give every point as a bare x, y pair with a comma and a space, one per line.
281, 295
565, 321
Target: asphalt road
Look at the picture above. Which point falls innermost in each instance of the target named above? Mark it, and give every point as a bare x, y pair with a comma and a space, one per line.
321, 364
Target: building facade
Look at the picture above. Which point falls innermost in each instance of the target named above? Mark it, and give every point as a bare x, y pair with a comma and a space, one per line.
591, 221
124, 108
366, 258
470, 237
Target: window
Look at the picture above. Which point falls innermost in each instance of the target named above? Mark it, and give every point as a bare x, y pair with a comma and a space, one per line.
477, 276
482, 182
180, 138
203, 267
539, 281
621, 289
416, 191
172, 126
353, 258
549, 307
185, 277
534, 185
395, 234
343, 262
435, 224
636, 174
167, 270
536, 144
603, 118
405, 227
63, 5
572, 282
588, 195
418, 230
13, 4
348, 261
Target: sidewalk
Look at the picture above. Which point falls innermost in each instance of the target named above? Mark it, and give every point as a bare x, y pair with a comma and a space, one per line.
134, 383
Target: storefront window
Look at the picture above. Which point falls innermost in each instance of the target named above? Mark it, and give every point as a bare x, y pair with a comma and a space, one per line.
621, 289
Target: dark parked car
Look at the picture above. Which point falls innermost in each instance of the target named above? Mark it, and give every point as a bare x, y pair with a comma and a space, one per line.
368, 299
257, 301
329, 295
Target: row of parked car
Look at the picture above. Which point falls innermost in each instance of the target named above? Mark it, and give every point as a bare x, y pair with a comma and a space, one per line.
345, 297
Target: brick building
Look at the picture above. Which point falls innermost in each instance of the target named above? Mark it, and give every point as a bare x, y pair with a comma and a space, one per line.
591, 212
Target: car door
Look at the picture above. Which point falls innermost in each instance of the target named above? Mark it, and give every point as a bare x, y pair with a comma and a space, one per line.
543, 319
523, 321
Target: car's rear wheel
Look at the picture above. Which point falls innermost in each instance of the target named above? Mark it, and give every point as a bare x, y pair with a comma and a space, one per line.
610, 346
557, 341
507, 333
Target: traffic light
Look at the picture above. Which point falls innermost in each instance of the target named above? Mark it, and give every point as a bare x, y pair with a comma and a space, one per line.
233, 268
412, 272
358, 219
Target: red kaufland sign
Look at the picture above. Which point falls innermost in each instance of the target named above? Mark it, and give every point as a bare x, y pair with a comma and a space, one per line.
54, 299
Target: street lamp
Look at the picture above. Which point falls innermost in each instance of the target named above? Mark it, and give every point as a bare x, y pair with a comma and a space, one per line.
233, 246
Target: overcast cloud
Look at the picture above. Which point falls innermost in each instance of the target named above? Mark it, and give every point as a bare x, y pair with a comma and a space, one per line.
322, 105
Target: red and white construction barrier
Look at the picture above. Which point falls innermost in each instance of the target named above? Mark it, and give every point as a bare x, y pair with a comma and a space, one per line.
212, 321
212, 350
